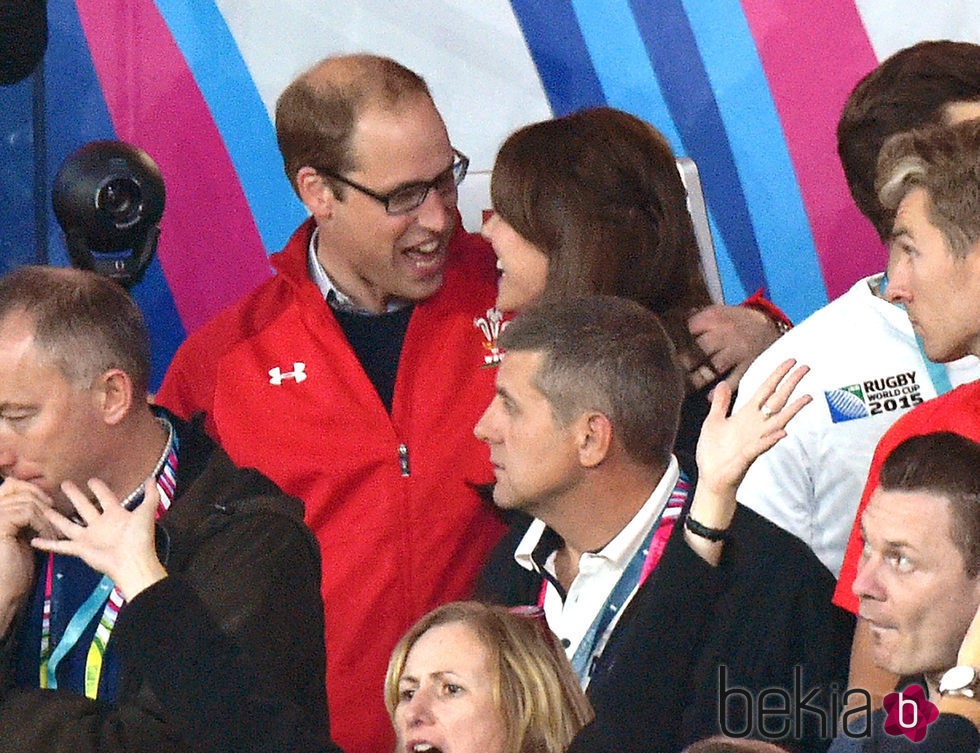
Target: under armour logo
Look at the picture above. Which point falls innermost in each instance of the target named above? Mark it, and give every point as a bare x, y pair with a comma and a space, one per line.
298, 373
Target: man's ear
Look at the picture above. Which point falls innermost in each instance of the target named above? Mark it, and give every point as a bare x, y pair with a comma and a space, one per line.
315, 193
114, 395
594, 437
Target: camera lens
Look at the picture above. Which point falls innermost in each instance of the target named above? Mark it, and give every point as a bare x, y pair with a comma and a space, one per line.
121, 198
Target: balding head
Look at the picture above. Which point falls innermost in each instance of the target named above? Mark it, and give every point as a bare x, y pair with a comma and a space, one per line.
317, 113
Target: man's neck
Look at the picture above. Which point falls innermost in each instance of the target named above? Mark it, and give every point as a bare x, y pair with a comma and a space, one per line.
594, 523
352, 292
145, 441
932, 684
597, 514
591, 533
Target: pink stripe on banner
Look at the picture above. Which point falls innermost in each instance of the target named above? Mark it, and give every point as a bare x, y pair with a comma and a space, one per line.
210, 259
813, 55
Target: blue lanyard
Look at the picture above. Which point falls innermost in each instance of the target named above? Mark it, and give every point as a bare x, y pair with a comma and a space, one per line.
165, 474
76, 626
583, 662
937, 371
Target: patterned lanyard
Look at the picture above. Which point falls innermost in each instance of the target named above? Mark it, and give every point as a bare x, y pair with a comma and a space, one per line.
634, 575
105, 596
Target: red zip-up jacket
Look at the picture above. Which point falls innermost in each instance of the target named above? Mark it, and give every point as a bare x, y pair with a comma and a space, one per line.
389, 497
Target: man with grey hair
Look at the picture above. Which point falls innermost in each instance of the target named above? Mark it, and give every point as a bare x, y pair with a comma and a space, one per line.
664, 597
154, 597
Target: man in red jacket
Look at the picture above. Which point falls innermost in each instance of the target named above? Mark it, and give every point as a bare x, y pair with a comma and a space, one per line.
354, 377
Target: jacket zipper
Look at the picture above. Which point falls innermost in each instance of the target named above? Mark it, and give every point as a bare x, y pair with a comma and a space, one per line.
403, 459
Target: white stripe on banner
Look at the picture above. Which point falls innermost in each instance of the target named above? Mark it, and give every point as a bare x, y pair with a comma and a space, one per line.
894, 24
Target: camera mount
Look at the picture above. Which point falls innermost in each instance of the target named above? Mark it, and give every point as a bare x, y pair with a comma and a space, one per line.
108, 197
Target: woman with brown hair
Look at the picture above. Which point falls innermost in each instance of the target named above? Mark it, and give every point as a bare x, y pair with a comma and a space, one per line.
593, 202
598, 194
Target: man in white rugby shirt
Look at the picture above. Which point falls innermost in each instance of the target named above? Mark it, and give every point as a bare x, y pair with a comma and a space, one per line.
866, 368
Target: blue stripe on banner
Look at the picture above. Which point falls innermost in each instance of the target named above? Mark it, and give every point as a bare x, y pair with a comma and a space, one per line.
631, 84
559, 53
762, 157
203, 37
152, 295
669, 41
621, 62
77, 120
19, 243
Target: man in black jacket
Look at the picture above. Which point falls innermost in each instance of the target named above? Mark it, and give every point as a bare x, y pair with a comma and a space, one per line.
677, 610
153, 596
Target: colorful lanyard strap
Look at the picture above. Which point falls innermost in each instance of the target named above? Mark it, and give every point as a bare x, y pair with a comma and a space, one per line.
105, 597
640, 566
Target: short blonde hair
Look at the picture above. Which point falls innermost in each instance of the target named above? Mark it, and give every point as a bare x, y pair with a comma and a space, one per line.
944, 161
534, 686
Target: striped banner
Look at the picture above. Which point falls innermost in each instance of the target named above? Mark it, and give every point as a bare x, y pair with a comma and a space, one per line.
750, 89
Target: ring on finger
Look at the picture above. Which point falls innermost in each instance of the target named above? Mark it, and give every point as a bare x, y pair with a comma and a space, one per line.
766, 411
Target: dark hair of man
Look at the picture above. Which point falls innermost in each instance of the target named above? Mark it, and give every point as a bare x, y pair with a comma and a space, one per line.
908, 90
610, 355
944, 161
946, 465
83, 322
598, 192
316, 114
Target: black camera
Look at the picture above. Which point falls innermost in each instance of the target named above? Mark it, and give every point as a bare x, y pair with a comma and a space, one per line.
108, 197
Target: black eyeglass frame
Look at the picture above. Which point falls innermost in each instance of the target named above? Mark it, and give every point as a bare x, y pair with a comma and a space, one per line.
457, 170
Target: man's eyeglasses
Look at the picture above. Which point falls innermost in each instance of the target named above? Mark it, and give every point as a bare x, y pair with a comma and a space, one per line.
407, 198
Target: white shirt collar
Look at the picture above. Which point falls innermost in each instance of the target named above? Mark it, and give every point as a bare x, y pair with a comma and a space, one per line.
330, 292
625, 543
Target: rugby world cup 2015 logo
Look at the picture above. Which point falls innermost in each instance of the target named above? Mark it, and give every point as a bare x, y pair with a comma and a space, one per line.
872, 397
846, 403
